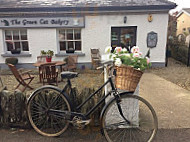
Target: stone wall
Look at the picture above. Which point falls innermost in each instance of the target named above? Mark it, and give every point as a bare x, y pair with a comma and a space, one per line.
13, 106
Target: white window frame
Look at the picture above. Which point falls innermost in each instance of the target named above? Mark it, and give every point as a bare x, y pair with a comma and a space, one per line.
12, 40
66, 40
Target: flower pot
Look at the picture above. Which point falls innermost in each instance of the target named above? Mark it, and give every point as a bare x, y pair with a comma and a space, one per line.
48, 59
15, 51
70, 51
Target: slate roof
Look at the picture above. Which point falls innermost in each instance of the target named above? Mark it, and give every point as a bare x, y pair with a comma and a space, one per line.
187, 10
82, 5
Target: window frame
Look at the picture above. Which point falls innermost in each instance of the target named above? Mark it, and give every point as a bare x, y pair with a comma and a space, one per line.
20, 40
118, 30
66, 40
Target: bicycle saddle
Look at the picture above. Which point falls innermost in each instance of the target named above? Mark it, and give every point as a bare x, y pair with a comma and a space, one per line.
68, 75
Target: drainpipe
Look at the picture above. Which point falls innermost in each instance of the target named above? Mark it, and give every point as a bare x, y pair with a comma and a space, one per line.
166, 63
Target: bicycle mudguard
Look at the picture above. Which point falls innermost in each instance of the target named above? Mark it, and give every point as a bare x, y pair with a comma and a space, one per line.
53, 87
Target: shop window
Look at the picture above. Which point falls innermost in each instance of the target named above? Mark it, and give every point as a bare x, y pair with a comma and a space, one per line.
70, 39
123, 36
16, 40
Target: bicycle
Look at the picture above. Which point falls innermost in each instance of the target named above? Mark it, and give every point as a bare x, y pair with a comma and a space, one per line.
125, 117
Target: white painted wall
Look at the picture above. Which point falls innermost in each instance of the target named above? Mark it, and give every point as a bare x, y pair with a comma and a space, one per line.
97, 34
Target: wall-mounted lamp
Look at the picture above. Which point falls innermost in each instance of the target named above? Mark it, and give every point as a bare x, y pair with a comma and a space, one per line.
125, 20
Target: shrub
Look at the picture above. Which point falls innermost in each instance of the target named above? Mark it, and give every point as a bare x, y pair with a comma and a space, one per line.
180, 53
11, 60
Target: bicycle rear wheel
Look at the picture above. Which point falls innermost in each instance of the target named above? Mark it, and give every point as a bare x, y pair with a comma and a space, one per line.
41, 120
142, 122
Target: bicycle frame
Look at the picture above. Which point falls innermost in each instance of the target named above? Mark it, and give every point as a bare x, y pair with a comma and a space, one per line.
113, 89
84, 116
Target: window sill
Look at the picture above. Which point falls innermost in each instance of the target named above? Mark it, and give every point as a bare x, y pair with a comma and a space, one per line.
67, 54
16, 55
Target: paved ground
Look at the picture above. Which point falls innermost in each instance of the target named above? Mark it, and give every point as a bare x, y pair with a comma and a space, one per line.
170, 101
163, 135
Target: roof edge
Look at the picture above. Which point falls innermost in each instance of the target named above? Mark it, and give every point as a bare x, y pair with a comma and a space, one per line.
91, 9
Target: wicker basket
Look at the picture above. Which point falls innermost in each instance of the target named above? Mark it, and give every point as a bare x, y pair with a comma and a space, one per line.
127, 78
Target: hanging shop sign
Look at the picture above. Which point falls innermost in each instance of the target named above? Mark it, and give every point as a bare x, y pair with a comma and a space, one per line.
42, 22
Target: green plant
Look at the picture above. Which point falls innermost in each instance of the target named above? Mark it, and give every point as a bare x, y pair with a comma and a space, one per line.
133, 58
43, 53
11, 60
50, 53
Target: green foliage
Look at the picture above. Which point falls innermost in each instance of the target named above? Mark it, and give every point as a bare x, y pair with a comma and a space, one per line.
43, 53
48, 53
11, 60
180, 53
134, 59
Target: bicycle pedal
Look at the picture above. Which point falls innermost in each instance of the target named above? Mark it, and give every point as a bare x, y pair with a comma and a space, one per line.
85, 122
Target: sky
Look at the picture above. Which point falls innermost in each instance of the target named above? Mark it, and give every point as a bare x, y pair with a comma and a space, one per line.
181, 4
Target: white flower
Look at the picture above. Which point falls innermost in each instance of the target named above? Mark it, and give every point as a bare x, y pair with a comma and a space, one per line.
136, 55
108, 49
118, 62
127, 55
118, 49
113, 55
124, 50
135, 49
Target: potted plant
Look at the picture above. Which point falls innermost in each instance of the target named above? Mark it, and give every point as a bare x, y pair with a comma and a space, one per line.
16, 51
43, 53
49, 55
70, 50
129, 66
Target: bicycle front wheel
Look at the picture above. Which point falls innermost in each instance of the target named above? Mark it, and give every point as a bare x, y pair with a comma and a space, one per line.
138, 124
38, 108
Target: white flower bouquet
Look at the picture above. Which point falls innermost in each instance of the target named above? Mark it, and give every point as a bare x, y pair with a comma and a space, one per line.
133, 58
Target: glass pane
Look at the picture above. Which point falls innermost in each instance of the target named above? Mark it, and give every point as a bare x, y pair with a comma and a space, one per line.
114, 35
62, 45
15, 35
70, 34
8, 35
23, 34
62, 35
17, 45
9, 45
78, 45
128, 37
70, 45
77, 34
25, 46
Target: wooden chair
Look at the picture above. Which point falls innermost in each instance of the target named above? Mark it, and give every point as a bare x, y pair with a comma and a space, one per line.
49, 73
95, 57
71, 63
24, 78
41, 59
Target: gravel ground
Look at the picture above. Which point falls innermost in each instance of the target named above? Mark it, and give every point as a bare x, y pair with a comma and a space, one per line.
176, 72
